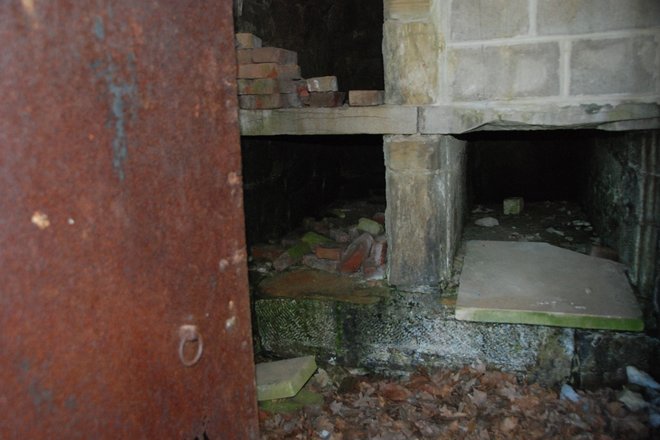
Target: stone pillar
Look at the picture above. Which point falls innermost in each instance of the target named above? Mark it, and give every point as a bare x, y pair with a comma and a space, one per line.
425, 178
411, 50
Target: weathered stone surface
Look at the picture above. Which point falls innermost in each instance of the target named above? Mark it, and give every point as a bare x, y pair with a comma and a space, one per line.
370, 226
631, 65
513, 205
486, 19
585, 16
504, 72
281, 379
319, 263
407, 9
411, 51
424, 214
329, 251
602, 357
408, 330
382, 119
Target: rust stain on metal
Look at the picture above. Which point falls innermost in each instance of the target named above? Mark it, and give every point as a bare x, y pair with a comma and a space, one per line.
118, 227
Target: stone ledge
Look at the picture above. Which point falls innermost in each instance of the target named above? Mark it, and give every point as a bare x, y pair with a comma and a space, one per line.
450, 119
383, 119
456, 119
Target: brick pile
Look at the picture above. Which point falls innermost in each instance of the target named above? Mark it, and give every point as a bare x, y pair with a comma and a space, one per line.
357, 249
270, 77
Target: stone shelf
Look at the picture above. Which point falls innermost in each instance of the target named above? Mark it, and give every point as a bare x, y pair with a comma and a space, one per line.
382, 119
450, 119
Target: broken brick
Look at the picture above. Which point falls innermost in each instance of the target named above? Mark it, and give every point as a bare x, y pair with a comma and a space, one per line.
322, 84
364, 98
378, 253
274, 55
320, 264
293, 86
292, 256
339, 235
268, 70
261, 102
326, 99
356, 253
246, 40
329, 251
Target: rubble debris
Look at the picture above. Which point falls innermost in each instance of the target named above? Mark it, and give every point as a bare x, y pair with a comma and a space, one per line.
284, 378
370, 226
513, 206
487, 222
322, 84
641, 378
356, 253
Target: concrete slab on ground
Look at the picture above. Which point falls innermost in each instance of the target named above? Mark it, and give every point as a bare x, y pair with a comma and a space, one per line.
537, 283
282, 379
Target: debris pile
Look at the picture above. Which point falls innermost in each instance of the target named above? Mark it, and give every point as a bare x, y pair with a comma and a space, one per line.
336, 244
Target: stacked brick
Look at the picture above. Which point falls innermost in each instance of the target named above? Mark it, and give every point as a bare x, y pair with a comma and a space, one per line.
269, 78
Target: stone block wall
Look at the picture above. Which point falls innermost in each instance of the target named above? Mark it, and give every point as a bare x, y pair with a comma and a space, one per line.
526, 51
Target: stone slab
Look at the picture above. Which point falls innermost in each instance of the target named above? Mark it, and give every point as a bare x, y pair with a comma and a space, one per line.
407, 9
537, 283
446, 119
282, 379
338, 120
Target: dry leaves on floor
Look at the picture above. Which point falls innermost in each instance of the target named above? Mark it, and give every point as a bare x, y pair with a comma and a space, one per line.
468, 404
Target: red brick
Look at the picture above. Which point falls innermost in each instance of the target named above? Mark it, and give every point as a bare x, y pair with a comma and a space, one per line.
268, 70
245, 40
266, 252
326, 99
274, 55
378, 253
291, 100
244, 56
363, 98
355, 254
322, 84
329, 252
261, 102
262, 86
293, 86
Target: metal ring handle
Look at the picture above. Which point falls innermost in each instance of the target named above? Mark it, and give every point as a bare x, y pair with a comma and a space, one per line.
189, 333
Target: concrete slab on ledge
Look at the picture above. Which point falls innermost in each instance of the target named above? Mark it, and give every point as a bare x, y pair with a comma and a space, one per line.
537, 283
464, 118
383, 119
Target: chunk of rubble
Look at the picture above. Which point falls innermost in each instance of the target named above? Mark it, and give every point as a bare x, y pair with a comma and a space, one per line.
356, 253
487, 222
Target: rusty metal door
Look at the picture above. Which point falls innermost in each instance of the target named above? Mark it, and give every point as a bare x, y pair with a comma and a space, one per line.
124, 310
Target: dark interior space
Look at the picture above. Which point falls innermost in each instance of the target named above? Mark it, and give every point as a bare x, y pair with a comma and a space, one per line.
535, 165
288, 178
332, 38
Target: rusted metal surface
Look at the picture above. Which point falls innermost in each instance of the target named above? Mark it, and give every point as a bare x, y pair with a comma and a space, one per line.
121, 222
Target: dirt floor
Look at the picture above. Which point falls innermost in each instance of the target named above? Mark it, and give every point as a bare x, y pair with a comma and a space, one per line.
472, 403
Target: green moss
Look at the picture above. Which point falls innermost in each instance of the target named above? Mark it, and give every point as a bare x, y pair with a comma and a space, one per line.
302, 399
